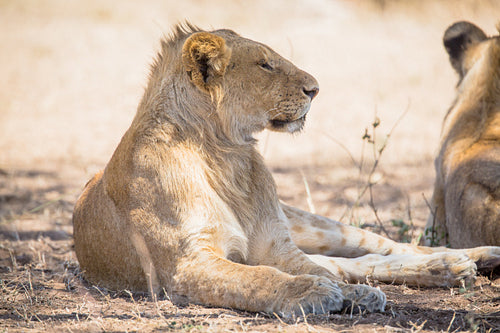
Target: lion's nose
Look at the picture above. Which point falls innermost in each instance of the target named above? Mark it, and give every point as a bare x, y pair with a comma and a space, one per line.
312, 92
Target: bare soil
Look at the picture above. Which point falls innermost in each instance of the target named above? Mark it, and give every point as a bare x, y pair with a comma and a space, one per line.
73, 75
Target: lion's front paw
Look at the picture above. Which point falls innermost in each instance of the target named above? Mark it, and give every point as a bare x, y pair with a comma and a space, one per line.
322, 296
363, 297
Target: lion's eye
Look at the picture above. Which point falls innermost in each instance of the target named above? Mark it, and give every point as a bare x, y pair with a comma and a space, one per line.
266, 65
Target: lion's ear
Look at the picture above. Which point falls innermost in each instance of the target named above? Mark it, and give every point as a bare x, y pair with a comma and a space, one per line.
457, 39
205, 57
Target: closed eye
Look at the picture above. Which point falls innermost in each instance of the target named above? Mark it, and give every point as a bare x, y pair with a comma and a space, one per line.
266, 66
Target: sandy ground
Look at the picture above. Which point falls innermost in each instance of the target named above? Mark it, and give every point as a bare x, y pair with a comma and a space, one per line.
74, 71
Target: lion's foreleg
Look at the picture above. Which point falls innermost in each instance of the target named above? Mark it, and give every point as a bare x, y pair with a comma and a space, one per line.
206, 278
279, 251
271, 245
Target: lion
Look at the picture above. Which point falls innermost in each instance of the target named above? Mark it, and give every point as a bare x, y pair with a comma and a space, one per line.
465, 206
186, 205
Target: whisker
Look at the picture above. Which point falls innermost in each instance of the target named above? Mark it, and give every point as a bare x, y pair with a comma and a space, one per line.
277, 115
271, 109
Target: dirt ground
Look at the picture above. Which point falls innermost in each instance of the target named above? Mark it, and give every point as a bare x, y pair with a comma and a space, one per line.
74, 71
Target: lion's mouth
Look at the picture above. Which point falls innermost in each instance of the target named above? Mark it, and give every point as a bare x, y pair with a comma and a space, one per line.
280, 123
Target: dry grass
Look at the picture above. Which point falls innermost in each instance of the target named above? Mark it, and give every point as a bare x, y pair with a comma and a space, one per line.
73, 74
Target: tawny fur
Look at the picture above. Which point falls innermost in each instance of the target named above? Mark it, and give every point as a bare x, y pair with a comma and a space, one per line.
186, 204
466, 199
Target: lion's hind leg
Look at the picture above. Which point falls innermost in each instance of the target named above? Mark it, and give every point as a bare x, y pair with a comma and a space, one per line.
316, 234
437, 269
486, 258
380, 258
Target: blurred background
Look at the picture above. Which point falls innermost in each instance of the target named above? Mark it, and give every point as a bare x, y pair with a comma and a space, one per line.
74, 71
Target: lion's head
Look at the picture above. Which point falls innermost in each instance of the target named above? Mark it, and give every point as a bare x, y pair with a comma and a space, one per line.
469, 48
476, 59
247, 86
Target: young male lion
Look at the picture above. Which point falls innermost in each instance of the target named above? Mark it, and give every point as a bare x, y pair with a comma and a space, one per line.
186, 204
466, 199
